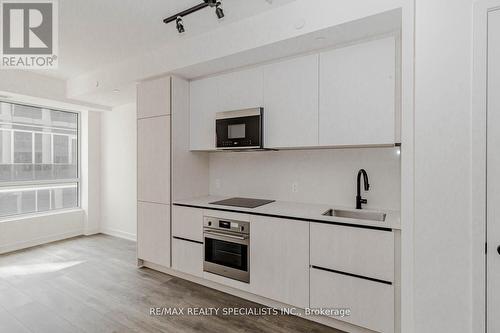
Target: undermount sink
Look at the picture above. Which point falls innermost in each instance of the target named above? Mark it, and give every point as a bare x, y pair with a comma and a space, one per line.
356, 214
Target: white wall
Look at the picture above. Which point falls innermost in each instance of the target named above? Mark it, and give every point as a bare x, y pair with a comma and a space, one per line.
34, 88
442, 230
323, 176
91, 170
22, 232
119, 172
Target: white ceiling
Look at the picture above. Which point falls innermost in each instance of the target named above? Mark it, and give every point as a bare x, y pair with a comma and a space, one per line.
94, 33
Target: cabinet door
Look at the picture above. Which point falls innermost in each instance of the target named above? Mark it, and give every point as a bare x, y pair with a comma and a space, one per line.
153, 98
153, 159
371, 303
357, 94
240, 90
187, 223
187, 257
291, 103
279, 260
153, 233
203, 106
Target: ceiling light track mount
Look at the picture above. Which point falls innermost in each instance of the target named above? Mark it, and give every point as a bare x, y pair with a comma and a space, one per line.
206, 3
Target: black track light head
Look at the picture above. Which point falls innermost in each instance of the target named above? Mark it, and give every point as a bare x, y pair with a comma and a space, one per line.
211, 3
179, 24
218, 10
206, 3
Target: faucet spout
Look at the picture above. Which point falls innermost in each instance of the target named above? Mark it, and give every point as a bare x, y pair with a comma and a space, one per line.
359, 199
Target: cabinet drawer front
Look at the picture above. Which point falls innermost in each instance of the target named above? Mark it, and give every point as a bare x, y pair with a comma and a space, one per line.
187, 257
371, 304
358, 251
187, 223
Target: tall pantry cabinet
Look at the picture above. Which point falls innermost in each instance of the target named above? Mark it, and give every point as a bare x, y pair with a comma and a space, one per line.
153, 171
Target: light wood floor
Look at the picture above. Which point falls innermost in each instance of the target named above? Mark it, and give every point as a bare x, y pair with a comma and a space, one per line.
92, 284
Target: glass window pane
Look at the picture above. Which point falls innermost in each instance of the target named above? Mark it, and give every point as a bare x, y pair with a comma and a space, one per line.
37, 144
24, 113
5, 146
64, 197
23, 200
61, 149
23, 147
43, 200
74, 151
38, 149
43, 148
9, 203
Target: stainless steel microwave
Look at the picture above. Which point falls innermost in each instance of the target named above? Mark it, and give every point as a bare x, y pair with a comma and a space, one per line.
241, 129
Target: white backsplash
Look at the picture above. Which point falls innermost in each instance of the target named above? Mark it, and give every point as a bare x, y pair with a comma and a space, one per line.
326, 176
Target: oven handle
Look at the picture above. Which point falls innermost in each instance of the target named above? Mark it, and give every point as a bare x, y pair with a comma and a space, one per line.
213, 233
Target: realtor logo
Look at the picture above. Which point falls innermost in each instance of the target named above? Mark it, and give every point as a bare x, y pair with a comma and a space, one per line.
29, 34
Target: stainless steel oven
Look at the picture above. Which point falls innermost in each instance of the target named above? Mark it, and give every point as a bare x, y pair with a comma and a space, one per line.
227, 248
240, 129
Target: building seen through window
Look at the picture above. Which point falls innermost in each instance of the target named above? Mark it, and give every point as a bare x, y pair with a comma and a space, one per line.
38, 159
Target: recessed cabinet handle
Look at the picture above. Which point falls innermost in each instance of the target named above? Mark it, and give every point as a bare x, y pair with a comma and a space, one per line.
498, 249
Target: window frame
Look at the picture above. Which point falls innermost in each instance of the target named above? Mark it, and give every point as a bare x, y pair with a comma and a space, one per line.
44, 183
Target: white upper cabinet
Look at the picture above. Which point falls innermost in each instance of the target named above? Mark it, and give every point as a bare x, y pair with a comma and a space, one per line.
203, 106
342, 97
358, 94
291, 103
240, 90
228, 92
153, 98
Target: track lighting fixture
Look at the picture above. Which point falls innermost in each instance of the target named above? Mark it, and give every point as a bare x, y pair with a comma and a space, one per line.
218, 10
206, 3
179, 24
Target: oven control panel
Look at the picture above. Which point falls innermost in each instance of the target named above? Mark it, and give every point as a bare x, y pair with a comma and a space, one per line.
226, 224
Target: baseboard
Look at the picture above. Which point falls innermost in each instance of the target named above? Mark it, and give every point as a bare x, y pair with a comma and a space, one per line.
38, 241
92, 232
119, 234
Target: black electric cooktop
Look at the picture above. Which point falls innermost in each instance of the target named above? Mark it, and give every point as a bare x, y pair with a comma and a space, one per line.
242, 202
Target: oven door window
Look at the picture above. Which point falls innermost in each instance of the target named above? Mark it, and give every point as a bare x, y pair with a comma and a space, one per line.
226, 253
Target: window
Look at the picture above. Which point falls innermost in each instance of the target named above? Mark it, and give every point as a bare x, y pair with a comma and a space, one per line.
38, 159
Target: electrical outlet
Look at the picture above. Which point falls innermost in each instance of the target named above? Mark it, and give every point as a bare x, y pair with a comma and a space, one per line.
217, 184
295, 187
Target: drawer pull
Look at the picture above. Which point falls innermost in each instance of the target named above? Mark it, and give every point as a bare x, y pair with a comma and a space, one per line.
353, 275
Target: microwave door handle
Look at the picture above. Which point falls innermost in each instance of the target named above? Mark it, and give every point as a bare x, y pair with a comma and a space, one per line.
225, 235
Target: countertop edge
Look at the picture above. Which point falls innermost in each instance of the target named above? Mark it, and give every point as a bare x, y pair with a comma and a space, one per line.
291, 217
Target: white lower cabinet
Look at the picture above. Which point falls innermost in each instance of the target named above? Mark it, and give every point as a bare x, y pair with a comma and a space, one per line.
279, 260
187, 257
371, 303
359, 251
153, 233
187, 223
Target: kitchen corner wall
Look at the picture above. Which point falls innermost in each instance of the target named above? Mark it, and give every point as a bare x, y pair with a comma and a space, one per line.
91, 171
119, 172
321, 176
